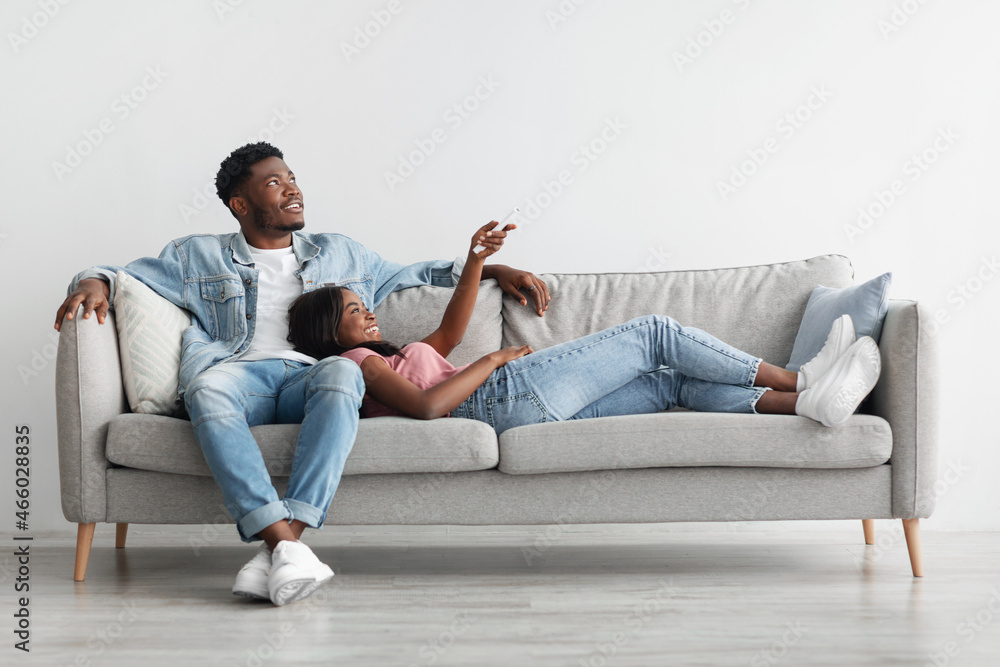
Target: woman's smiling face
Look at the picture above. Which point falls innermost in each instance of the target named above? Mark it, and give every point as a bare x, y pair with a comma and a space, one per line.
357, 325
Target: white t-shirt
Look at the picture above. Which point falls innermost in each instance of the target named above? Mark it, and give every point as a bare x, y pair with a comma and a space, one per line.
277, 287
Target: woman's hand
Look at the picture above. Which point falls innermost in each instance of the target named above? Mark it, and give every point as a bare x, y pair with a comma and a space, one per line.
501, 357
490, 239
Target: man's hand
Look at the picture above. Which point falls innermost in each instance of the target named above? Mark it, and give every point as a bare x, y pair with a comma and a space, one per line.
513, 280
93, 293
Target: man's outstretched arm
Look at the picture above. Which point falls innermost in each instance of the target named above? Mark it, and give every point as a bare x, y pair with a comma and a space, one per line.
95, 287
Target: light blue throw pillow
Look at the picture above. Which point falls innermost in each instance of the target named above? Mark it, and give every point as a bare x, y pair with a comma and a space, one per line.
866, 304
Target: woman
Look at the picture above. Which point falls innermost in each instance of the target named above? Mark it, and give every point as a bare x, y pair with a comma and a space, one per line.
648, 364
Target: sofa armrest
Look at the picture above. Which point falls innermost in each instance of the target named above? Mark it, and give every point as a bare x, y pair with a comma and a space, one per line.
89, 394
907, 397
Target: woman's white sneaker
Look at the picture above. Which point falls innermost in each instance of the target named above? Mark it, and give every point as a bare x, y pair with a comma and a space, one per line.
295, 572
251, 580
840, 338
838, 393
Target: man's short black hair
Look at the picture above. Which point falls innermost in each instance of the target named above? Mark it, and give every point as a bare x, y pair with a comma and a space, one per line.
235, 169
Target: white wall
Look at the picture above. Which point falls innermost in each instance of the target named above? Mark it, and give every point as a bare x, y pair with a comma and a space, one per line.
891, 82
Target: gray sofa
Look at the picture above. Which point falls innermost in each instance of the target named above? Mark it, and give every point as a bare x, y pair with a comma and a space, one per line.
122, 468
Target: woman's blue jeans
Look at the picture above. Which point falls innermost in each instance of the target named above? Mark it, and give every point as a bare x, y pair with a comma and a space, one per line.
645, 365
227, 399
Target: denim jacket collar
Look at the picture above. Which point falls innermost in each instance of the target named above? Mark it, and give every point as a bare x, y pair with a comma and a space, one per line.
304, 249
241, 249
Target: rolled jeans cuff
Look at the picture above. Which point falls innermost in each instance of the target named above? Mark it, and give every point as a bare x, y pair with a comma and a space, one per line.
753, 401
261, 518
752, 373
287, 509
308, 514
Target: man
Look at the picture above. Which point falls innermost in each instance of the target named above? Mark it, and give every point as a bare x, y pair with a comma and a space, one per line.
238, 369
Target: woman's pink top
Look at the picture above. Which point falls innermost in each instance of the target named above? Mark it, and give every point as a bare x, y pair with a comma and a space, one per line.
423, 367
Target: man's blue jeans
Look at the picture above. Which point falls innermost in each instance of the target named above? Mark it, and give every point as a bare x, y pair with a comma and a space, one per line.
227, 399
618, 371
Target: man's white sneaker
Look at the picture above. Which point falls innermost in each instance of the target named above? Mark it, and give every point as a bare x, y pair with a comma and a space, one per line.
295, 572
251, 581
840, 338
836, 395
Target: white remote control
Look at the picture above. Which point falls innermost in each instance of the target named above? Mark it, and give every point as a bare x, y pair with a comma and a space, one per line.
499, 226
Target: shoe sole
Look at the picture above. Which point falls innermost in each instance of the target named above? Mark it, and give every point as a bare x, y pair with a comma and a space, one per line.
295, 591
847, 337
298, 588
253, 595
861, 377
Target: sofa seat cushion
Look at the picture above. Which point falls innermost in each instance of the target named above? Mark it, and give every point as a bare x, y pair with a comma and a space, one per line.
383, 445
682, 438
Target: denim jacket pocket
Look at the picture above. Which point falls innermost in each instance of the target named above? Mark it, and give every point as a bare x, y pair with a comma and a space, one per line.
361, 286
224, 304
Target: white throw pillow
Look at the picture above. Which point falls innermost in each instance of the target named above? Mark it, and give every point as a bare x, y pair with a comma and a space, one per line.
150, 329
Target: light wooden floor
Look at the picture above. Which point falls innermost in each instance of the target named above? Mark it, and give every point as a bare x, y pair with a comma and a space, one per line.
596, 595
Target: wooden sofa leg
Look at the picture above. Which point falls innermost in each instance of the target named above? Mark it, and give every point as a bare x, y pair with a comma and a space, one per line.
868, 525
911, 530
121, 531
84, 538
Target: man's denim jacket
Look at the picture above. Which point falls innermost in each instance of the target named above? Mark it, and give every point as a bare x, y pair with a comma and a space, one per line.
213, 277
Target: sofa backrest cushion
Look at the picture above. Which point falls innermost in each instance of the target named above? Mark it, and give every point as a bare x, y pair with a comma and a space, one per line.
754, 308
413, 313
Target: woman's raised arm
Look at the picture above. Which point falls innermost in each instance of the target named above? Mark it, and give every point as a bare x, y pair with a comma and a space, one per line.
456, 318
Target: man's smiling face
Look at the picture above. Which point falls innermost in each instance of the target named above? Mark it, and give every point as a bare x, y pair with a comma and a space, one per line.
273, 199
